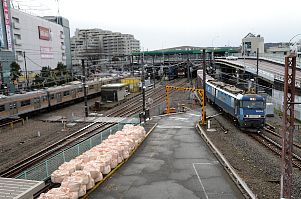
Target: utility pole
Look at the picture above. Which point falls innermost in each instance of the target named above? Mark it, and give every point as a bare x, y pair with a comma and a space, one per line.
188, 70
154, 77
288, 126
257, 58
143, 87
204, 75
26, 74
85, 88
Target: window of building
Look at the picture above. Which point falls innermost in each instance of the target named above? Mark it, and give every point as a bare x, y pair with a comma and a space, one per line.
25, 103
66, 93
20, 53
2, 108
15, 19
17, 36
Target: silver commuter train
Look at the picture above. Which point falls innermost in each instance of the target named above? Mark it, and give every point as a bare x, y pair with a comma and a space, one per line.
19, 104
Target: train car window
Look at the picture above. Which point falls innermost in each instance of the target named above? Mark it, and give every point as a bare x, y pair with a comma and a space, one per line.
44, 98
2, 108
80, 90
25, 103
52, 96
66, 93
91, 87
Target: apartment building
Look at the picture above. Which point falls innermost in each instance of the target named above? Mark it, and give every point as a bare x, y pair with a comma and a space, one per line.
95, 45
87, 44
120, 44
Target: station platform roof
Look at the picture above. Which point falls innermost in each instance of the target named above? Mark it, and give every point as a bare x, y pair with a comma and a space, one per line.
11, 188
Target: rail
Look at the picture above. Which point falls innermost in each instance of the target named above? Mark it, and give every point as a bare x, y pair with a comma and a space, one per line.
43, 170
236, 178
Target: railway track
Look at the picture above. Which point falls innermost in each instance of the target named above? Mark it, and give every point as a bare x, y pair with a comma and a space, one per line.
128, 108
275, 144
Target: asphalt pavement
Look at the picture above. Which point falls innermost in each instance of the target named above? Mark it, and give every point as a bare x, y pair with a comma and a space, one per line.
173, 162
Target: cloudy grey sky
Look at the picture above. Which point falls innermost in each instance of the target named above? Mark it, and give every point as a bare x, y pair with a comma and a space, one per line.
169, 23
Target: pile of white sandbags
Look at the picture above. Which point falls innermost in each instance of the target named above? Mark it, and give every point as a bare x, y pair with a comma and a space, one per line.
81, 173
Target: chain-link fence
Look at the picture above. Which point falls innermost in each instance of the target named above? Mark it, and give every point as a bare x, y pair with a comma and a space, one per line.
43, 170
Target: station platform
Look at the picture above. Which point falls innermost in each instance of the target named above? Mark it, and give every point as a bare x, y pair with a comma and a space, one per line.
173, 162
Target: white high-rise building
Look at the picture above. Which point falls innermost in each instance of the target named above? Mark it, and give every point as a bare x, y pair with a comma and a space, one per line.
41, 40
96, 44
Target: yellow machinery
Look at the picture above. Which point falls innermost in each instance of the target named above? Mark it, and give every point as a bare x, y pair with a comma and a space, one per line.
200, 91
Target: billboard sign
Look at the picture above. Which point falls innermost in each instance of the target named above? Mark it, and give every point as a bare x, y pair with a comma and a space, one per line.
44, 33
2, 44
46, 52
7, 24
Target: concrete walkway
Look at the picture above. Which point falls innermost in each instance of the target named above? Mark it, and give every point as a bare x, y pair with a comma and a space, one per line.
173, 162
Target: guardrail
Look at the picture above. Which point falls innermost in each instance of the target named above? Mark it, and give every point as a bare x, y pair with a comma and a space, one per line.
43, 170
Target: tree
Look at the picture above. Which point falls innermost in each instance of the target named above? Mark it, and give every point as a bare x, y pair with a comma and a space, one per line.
15, 71
61, 69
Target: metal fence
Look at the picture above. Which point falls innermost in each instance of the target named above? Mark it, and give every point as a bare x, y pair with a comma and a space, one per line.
43, 170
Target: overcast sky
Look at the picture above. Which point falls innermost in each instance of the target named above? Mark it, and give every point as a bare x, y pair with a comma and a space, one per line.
170, 23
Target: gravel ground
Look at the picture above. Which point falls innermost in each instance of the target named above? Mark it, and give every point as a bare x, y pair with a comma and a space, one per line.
258, 166
22, 141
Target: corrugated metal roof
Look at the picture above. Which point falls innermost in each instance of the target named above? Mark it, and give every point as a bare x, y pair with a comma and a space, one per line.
11, 188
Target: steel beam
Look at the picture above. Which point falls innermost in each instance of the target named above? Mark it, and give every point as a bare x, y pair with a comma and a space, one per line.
288, 126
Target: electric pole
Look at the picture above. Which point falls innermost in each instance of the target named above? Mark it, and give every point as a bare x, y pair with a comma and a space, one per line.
257, 57
26, 74
143, 87
204, 75
85, 88
288, 126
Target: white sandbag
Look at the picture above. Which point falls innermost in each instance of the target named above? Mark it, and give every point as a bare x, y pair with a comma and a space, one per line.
92, 155
46, 196
91, 184
99, 178
119, 159
74, 195
85, 176
93, 170
82, 190
84, 158
77, 163
60, 193
59, 175
73, 183
114, 163
107, 169
105, 158
99, 164
126, 154
67, 166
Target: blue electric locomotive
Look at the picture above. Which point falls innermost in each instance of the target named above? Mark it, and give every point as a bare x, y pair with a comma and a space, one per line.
248, 110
